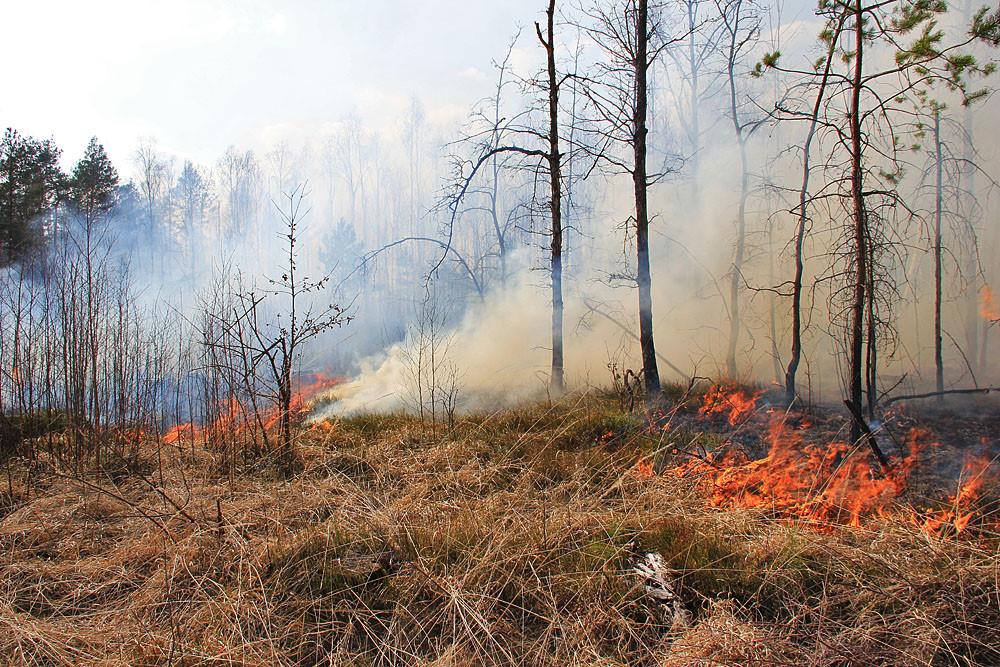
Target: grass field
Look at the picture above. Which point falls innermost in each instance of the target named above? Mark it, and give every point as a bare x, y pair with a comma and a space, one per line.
509, 540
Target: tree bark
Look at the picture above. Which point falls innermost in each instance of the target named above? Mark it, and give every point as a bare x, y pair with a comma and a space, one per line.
856, 338
938, 169
557, 380
650, 373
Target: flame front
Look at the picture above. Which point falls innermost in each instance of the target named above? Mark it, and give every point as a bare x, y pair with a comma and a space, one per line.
960, 508
235, 416
833, 483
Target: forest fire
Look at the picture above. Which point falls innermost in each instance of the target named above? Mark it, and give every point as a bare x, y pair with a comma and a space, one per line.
737, 404
961, 507
237, 416
828, 483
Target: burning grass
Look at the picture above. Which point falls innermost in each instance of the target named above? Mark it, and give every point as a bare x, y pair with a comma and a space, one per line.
510, 540
807, 474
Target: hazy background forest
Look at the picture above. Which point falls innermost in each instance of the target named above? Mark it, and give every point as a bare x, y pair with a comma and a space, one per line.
380, 144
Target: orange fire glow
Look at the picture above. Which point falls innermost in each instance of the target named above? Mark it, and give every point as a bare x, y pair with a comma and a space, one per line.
234, 417
987, 305
644, 468
827, 484
737, 403
960, 508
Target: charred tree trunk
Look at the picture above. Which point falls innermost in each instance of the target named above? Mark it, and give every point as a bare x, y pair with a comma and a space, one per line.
557, 381
287, 458
800, 235
651, 375
871, 356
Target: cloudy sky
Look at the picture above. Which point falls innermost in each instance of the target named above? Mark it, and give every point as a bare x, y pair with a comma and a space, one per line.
199, 75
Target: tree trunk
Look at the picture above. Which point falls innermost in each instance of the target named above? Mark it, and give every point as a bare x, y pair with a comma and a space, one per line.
741, 222
651, 375
938, 168
800, 233
856, 334
871, 357
557, 381
285, 417
772, 305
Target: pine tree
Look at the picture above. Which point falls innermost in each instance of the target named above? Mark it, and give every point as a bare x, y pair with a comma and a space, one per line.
93, 187
30, 187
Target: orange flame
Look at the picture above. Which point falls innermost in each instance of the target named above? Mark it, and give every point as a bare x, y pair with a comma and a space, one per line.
961, 506
829, 484
178, 432
833, 483
644, 468
737, 403
233, 416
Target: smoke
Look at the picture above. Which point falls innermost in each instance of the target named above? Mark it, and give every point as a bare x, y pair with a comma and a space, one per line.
501, 345
501, 349
376, 175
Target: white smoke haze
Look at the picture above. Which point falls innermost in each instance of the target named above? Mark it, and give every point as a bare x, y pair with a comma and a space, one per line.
375, 164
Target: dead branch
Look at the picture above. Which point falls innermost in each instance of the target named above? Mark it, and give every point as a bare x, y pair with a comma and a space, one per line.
591, 307
867, 434
946, 392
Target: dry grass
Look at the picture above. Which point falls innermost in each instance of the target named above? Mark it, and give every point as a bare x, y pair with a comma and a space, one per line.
509, 541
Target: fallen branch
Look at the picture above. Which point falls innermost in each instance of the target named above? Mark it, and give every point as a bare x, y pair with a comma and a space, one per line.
163, 494
122, 499
946, 392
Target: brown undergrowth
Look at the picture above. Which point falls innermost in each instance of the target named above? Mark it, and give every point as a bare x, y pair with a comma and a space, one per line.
507, 541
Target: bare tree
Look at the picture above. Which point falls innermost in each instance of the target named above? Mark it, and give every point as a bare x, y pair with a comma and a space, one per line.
693, 61
433, 379
938, 214
554, 160
631, 37
949, 173
542, 146
154, 186
812, 118
193, 199
740, 21
492, 127
264, 332
240, 183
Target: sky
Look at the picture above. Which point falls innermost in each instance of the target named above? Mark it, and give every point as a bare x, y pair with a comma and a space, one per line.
200, 75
